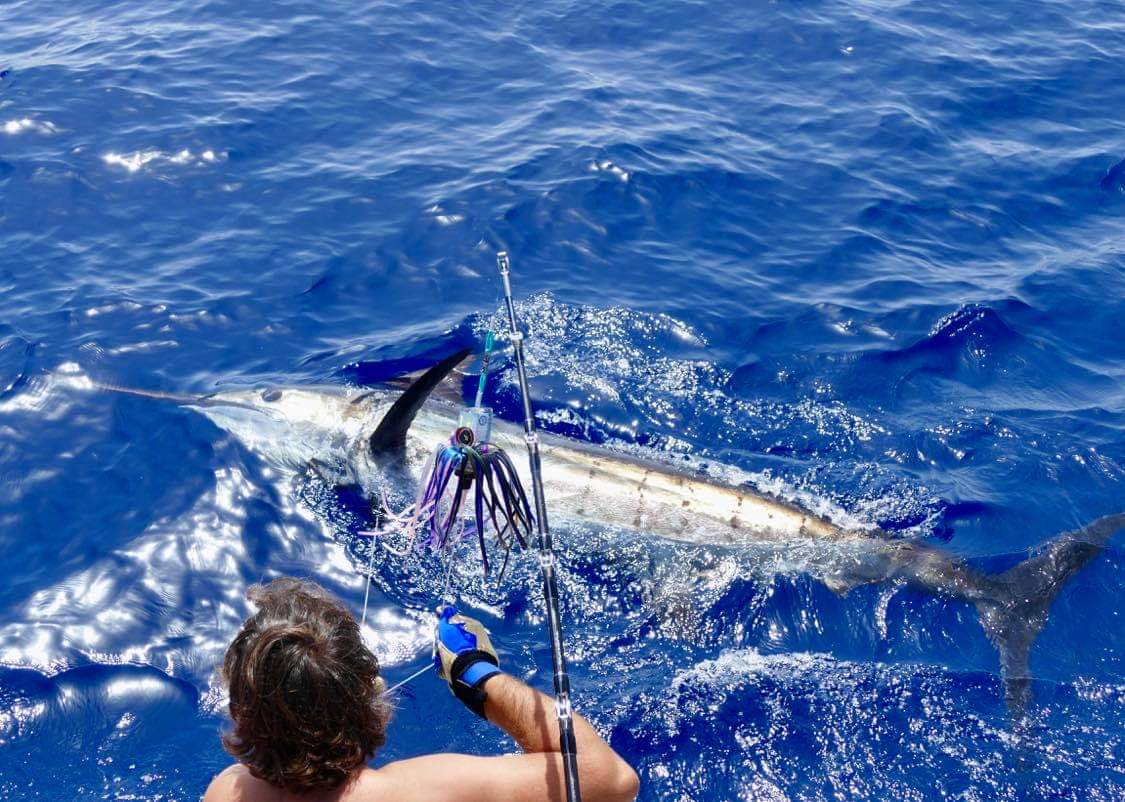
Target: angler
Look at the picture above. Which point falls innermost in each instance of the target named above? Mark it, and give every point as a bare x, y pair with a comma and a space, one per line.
309, 710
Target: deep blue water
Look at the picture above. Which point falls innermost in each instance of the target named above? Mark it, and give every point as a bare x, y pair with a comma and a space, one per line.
872, 253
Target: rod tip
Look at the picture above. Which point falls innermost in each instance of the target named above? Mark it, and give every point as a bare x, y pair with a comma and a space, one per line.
502, 261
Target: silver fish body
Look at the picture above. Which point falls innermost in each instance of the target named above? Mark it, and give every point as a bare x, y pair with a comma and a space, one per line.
332, 428
582, 482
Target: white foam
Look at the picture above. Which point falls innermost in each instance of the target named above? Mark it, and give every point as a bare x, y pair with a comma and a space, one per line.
129, 306
442, 218
25, 124
735, 666
152, 345
606, 166
139, 159
134, 161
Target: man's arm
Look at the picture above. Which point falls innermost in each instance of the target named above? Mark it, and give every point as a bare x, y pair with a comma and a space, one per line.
469, 663
529, 717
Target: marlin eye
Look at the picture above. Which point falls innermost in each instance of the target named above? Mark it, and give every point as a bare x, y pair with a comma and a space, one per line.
269, 396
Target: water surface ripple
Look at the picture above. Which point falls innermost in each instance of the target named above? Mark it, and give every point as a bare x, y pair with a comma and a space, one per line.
869, 255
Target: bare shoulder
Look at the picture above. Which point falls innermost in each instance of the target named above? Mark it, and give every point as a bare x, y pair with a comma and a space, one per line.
432, 778
389, 783
418, 779
464, 778
236, 784
222, 787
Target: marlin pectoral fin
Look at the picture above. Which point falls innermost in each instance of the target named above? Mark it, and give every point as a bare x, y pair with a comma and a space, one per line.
389, 439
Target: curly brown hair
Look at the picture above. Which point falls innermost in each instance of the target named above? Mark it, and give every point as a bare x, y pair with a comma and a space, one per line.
305, 694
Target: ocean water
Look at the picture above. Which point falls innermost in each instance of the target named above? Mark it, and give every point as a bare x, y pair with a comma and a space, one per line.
870, 254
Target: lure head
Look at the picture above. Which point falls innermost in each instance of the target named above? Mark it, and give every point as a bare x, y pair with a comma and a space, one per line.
476, 424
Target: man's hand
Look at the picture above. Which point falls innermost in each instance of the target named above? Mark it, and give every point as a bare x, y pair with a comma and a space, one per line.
464, 657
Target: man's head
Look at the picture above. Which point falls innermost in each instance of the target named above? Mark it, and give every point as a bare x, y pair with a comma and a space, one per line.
305, 693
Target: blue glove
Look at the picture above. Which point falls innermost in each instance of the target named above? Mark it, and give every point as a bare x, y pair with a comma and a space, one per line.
464, 657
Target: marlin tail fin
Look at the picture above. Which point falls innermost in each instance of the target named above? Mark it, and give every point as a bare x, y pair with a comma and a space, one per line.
1014, 607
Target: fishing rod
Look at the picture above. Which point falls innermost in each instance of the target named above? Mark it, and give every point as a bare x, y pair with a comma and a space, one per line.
546, 549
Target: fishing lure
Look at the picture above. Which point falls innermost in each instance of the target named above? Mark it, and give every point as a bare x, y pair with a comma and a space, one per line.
468, 486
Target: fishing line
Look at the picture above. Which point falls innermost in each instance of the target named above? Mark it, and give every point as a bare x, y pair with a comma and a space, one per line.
413, 676
366, 596
447, 596
370, 570
489, 339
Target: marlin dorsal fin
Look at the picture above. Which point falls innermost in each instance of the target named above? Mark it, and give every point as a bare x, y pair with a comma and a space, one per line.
389, 437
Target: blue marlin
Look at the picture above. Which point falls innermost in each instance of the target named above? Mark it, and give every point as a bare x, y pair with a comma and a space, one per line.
363, 437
